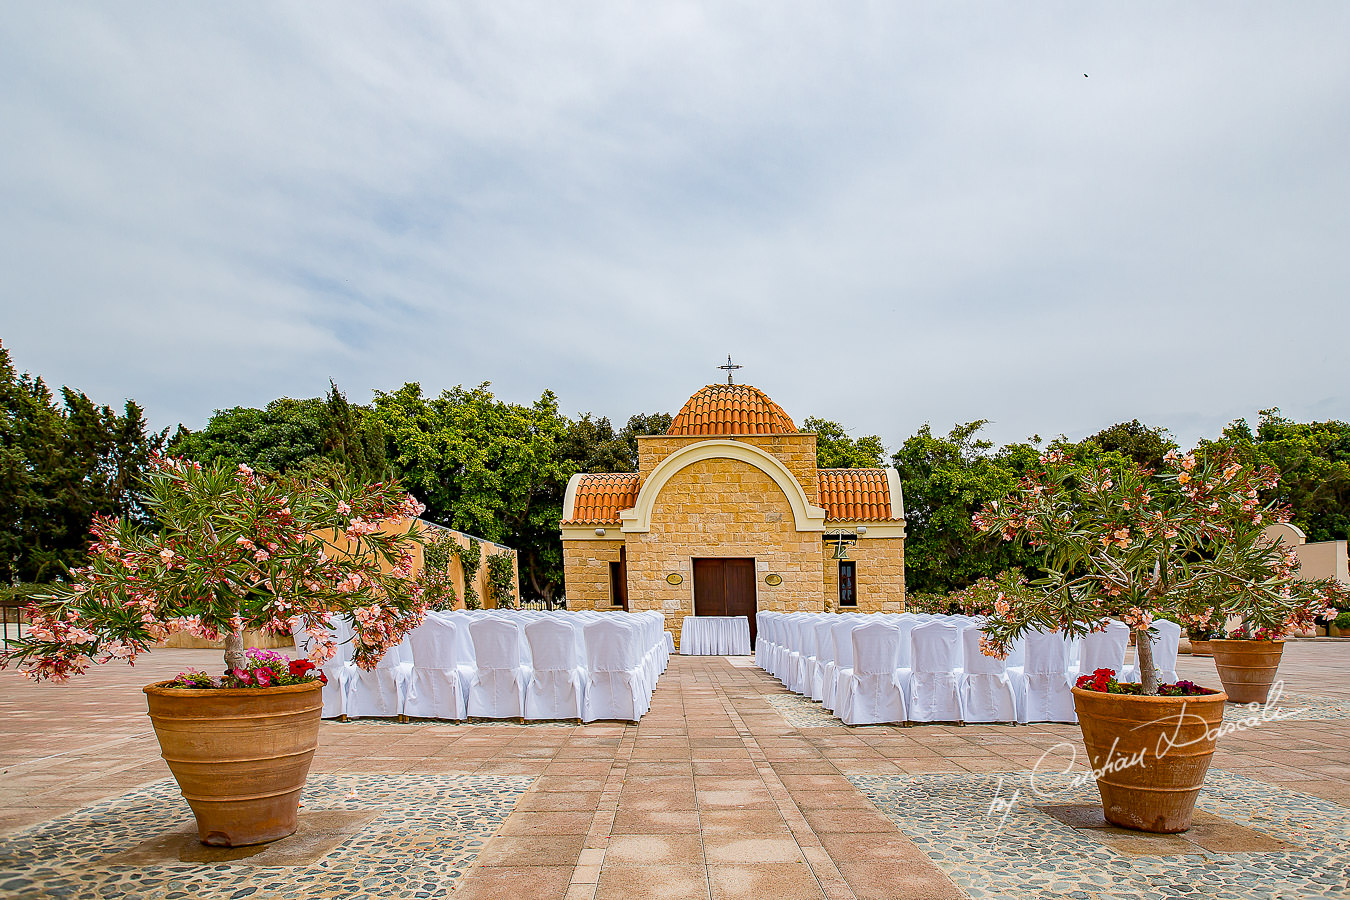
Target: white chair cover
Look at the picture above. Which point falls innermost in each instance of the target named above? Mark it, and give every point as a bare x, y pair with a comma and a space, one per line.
806, 660
780, 649
498, 689
1047, 693
380, 692
339, 670
824, 656
935, 679
841, 638
987, 692
437, 688
615, 684
556, 685
872, 692
762, 638
792, 651
1165, 639
906, 624
1104, 650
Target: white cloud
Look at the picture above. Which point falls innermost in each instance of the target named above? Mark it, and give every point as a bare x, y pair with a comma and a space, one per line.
891, 216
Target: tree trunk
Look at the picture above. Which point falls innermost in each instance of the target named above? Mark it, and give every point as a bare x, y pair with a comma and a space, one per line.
1148, 671
234, 650
543, 589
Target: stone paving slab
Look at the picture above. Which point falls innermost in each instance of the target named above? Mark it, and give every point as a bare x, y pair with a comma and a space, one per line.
716, 793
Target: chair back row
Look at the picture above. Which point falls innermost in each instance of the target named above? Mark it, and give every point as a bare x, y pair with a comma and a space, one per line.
934, 643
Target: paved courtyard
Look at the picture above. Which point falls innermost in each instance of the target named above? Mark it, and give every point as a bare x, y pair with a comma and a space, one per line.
729, 788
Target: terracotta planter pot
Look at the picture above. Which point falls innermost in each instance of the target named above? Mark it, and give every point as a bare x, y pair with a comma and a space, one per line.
1201, 648
1247, 668
240, 755
1150, 754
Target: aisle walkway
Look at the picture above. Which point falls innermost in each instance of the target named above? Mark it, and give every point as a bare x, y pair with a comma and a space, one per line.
729, 788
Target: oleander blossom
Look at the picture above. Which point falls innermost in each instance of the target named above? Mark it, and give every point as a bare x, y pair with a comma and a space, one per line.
1184, 543
309, 552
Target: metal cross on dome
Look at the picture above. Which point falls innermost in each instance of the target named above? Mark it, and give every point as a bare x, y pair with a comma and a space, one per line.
730, 367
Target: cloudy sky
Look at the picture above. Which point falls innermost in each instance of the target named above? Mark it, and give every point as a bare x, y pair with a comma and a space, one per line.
891, 214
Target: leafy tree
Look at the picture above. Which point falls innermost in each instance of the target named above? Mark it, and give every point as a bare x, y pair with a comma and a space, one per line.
1145, 445
60, 465
352, 437
486, 467
592, 446
1313, 460
946, 481
320, 436
642, 425
836, 450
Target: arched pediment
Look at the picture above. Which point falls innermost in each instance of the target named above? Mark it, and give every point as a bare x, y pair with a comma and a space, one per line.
805, 516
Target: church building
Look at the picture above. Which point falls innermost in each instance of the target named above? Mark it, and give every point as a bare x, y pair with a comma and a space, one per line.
728, 514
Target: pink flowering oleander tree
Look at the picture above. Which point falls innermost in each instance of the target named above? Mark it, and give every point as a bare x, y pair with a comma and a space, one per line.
233, 551
1184, 543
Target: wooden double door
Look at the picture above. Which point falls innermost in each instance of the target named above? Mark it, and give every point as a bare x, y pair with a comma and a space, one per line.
725, 587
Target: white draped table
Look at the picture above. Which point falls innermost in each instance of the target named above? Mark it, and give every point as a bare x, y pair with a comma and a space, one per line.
715, 636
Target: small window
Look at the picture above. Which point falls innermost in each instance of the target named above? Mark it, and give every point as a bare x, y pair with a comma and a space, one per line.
848, 583
618, 589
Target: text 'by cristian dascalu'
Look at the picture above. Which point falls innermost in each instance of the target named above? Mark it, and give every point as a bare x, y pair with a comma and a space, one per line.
1001, 806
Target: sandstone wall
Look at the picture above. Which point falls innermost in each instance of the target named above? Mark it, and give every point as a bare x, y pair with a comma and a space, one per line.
795, 451
586, 572
722, 508
880, 574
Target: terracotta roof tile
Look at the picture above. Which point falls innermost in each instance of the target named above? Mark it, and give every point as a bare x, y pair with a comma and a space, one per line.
731, 409
600, 498
855, 495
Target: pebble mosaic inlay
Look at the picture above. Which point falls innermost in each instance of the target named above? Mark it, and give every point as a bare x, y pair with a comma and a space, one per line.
1011, 849
1294, 708
801, 712
427, 831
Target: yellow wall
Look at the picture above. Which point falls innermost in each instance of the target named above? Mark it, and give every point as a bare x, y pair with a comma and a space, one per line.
586, 572
880, 571
481, 582
797, 452
722, 508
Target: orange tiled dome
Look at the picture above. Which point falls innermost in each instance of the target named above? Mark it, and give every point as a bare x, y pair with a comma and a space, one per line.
731, 409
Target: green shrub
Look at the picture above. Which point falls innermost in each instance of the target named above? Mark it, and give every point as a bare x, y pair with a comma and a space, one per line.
502, 579
437, 586
470, 561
